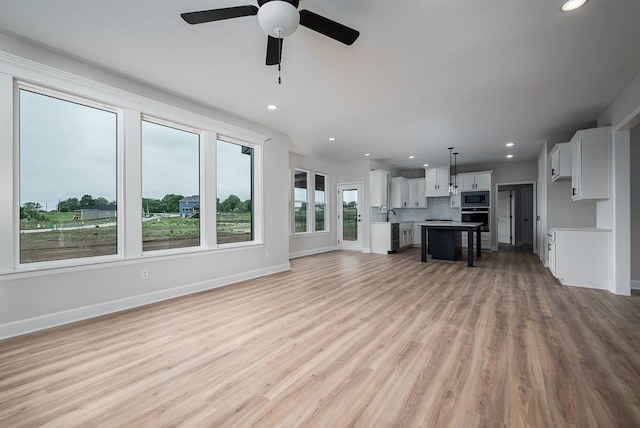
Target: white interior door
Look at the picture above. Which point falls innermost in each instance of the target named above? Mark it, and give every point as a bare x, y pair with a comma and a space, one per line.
504, 217
527, 216
350, 217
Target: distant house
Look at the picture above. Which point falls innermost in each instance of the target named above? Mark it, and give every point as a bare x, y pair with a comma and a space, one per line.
189, 206
96, 213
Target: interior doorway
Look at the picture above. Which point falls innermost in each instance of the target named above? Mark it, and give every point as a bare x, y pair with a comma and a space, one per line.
515, 214
506, 219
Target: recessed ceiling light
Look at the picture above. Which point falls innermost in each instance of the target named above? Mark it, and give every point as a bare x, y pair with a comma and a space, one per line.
411, 157
509, 156
510, 144
367, 154
570, 5
426, 165
332, 138
272, 107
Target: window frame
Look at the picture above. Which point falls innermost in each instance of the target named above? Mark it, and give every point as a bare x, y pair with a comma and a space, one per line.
327, 217
130, 108
89, 102
201, 165
257, 193
308, 201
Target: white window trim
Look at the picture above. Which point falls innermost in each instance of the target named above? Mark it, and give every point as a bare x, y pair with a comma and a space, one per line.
19, 85
307, 201
257, 200
327, 217
201, 185
15, 69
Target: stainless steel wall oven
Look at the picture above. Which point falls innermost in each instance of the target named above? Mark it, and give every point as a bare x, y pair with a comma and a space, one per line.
476, 215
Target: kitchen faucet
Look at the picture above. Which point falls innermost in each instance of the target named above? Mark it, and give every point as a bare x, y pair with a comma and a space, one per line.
390, 211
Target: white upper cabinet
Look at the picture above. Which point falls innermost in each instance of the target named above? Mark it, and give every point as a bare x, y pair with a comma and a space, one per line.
561, 161
378, 178
417, 187
474, 181
591, 164
436, 181
399, 192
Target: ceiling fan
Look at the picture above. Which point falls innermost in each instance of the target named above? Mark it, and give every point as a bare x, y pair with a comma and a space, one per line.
279, 19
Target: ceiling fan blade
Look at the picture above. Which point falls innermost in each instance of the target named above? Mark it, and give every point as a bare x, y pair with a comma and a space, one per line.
329, 28
219, 14
274, 53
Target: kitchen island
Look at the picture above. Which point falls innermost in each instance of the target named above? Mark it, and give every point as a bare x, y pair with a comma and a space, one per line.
452, 226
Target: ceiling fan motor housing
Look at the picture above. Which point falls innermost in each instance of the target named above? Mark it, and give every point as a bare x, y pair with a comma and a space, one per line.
278, 18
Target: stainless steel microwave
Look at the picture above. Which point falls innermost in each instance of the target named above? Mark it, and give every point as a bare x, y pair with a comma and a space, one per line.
478, 199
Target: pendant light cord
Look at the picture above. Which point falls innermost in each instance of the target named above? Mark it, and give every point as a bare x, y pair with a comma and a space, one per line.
279, 58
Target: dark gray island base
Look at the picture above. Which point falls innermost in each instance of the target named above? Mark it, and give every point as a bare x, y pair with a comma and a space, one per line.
449, 228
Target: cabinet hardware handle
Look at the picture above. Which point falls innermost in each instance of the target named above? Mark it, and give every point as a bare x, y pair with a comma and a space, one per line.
573, 190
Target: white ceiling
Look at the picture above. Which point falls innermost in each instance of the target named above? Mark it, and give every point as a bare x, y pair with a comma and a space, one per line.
424, 75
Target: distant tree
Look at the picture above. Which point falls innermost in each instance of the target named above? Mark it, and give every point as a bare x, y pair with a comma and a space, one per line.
69, 205
172, 202
231, 204
87, 201
246, 206
100, 202
31, 211
152, 205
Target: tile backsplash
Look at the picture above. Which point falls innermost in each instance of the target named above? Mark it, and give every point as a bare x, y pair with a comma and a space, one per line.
438, 208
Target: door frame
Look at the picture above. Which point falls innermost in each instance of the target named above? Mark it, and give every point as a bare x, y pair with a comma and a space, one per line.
494, 213
350, 245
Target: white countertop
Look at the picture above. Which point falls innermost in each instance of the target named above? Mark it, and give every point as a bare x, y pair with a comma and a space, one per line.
578, 229
447, 223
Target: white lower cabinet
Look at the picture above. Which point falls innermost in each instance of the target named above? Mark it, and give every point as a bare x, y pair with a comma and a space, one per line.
580, 257
406, 235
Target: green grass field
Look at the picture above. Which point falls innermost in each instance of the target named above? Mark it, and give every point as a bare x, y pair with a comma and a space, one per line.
100, 239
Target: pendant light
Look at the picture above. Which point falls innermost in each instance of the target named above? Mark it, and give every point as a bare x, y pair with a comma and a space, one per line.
455, 173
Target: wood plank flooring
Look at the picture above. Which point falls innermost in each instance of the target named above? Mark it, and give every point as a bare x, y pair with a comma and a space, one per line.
344, 340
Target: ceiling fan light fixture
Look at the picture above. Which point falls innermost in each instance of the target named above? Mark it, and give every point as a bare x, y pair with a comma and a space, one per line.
278, 18
570, 5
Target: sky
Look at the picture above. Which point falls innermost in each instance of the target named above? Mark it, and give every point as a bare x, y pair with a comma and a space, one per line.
69, 150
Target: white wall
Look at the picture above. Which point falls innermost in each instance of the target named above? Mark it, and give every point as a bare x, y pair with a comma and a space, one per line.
34, 300
635, 207
623, 114
313, 243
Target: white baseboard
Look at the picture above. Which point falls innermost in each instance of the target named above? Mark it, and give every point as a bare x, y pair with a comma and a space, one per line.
311, 252
635, 285
30, 325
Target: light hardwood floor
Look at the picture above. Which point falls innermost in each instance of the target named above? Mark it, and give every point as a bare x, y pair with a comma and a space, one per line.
344, 339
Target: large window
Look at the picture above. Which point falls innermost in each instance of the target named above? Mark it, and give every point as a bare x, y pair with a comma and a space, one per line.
320, 200
235, 192
170, 187
68, 178
301, 201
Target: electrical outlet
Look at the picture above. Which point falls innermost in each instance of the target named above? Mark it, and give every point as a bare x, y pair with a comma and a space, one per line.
266, 254
144, 274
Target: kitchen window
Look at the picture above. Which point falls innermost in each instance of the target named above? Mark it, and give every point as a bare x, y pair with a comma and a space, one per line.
68, 177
